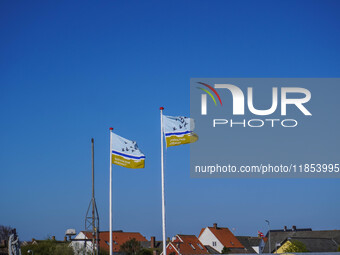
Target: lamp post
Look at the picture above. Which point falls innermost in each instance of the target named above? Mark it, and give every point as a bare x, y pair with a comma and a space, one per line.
270, 250
30, 252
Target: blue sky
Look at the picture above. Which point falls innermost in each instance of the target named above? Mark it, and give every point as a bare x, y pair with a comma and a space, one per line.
71, 70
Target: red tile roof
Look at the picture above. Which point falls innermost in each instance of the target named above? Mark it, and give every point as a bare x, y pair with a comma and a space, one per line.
187, 244
118, 238
225, 236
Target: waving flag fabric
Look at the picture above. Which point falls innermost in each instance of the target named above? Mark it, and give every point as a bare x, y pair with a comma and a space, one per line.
126, 153
178, 130
260, 234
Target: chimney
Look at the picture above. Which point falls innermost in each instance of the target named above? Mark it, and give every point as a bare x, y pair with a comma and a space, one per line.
65, 238
168, 240
33, 240
152, 242
215, 225
285, 228
53, 238
294, 228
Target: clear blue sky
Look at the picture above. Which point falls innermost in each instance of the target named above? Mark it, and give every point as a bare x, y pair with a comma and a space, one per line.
71, 69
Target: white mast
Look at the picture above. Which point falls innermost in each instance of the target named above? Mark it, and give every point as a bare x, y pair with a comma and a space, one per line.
110, 190
163, 197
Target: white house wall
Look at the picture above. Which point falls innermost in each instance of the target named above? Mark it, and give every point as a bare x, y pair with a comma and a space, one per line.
207, 238
256, 249
79, 246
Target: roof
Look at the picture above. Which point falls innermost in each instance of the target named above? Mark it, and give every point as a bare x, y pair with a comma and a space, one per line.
158, 244
289, 230
189, 244
118, 237
280, 236
249, 242
34, 241
225, 236
211, 250
317, 244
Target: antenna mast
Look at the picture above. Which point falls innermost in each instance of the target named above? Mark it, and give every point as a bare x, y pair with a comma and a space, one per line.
92, 220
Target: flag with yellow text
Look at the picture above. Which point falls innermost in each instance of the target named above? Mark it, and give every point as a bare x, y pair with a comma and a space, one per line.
178, 130
126, 153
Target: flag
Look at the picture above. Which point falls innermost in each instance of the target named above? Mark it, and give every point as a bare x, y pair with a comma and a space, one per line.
260, 234
126, 153
178, 130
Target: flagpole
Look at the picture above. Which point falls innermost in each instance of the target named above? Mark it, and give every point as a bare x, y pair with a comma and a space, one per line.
163, 197
110, 190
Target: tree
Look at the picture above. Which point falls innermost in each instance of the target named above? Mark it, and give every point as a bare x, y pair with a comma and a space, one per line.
145, 252
295, 246
48, 247
103, 252
225, 250
131, 247
5, 232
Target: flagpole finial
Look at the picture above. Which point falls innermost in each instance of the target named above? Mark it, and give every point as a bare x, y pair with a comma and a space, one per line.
111, 128
161, 108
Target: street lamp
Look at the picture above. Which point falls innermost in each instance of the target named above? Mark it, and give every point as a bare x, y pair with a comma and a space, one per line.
30, 252
270, 250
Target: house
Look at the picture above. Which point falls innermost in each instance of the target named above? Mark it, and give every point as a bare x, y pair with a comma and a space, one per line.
185, 245
155, 246
251, 244
36, 242
118, 237
211, 250
311, 244
278, 236
218, 238
82, 245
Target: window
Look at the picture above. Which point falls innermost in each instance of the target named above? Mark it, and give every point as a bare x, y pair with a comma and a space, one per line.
114, 242
193, 247
200, 246
213, 243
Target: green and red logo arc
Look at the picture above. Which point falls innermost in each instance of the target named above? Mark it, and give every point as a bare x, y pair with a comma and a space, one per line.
209, 93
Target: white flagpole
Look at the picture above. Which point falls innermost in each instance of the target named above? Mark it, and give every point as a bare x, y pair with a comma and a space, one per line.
110, 190
163, 197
